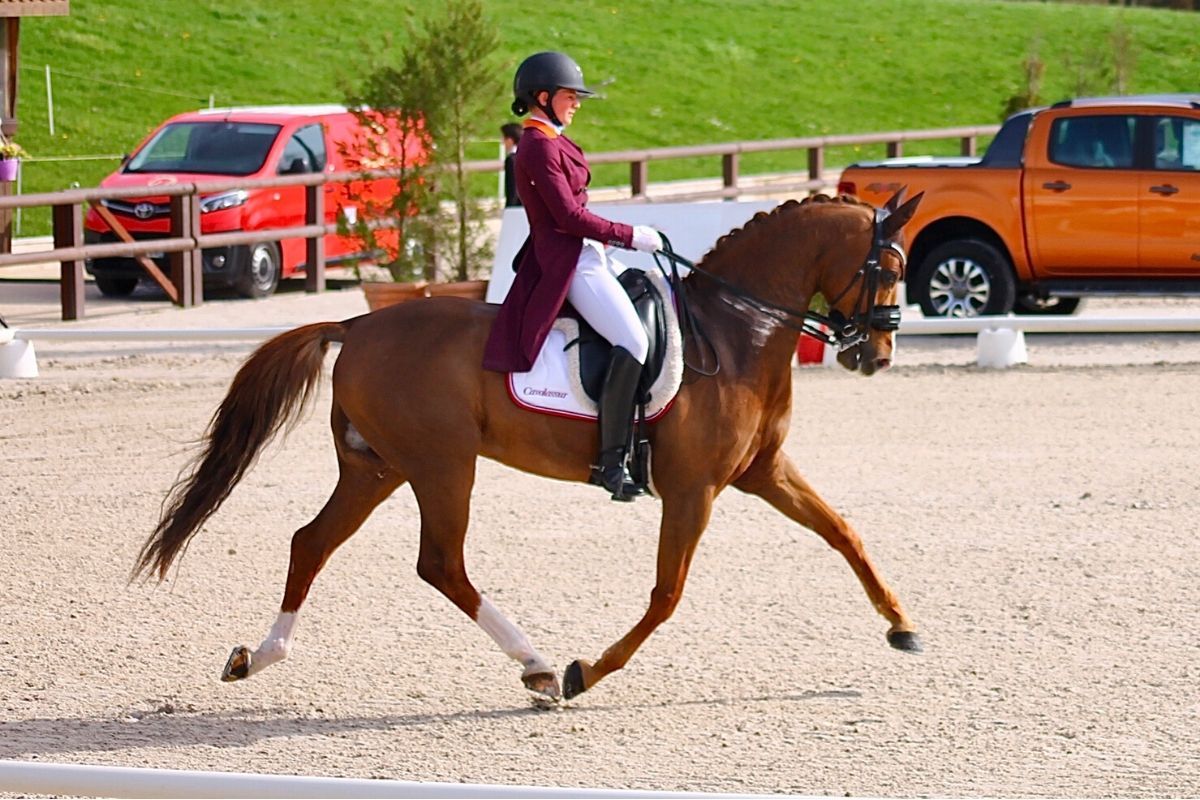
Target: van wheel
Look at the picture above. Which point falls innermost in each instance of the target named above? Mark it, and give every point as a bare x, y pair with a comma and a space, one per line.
116, 287
1030, 304
260, 272
964, 278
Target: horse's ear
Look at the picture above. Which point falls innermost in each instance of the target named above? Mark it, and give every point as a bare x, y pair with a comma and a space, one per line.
894, 202
900, 216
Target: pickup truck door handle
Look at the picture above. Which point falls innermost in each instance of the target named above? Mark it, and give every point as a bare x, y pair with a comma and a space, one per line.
1166, 189
1056, 186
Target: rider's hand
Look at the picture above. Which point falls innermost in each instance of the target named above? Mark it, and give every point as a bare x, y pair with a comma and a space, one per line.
646, 239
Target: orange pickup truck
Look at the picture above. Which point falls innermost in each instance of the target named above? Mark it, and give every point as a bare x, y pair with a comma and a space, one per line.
1085, 197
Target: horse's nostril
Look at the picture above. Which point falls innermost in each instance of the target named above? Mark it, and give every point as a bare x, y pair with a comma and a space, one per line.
883, 363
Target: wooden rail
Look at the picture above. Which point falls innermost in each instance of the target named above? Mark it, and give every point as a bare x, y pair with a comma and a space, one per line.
184, 240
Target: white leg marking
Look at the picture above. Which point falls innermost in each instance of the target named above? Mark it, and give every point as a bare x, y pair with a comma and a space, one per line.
509, 637
277, 644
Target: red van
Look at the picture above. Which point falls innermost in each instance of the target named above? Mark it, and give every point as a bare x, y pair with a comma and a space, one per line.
258, 142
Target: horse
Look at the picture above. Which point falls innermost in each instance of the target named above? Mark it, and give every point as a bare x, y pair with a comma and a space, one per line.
411, 404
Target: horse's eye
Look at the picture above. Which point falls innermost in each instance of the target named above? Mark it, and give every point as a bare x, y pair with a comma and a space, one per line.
888, 278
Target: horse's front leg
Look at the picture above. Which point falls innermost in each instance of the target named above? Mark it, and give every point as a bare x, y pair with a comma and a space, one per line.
683, 521
776, 480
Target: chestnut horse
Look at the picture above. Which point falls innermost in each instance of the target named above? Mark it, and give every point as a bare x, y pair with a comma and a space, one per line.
411, 404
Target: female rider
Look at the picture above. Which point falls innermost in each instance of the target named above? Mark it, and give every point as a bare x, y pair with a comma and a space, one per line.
564, 259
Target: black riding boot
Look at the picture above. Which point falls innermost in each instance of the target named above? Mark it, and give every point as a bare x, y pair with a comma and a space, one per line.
616, 426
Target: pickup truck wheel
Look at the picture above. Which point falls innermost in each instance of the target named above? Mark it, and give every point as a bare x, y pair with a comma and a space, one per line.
964, 278
260, 271
116, 287
1030, 304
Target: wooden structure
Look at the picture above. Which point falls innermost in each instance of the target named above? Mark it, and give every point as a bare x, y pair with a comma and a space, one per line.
11, 12
182, 282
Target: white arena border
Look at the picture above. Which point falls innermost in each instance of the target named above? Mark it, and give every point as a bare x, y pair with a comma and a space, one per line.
79, 780
933, 326
1000, 340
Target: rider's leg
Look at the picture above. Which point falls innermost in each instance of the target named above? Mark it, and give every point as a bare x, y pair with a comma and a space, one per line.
599, 298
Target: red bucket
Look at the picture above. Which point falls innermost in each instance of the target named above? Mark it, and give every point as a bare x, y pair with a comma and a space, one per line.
810, 350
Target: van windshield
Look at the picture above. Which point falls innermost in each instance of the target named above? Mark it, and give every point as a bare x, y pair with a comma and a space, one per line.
219, 148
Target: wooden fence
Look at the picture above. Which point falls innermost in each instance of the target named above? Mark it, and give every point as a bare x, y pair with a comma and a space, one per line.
183, 281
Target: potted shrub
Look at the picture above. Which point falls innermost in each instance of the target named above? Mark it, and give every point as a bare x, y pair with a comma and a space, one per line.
435, 96
11, 154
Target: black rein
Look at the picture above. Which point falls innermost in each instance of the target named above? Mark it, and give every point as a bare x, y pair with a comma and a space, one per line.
834, 329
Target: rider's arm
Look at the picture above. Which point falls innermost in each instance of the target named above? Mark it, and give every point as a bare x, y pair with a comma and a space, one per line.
542, 164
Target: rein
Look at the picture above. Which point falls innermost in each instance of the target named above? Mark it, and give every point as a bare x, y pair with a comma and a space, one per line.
838, 331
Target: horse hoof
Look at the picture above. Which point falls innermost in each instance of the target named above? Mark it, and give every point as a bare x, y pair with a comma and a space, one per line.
573, 684
543, 684
907, 641
238, 665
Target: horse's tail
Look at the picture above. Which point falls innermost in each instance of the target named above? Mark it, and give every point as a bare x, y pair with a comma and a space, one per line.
269, 392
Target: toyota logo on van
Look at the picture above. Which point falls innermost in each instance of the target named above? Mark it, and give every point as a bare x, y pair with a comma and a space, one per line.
143, 210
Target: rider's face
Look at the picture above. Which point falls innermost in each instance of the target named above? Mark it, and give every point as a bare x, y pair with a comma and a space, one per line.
564, 105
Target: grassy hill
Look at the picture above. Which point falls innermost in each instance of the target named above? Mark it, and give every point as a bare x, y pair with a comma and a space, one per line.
683, 71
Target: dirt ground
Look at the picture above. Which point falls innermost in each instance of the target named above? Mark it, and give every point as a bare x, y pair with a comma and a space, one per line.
1039, 524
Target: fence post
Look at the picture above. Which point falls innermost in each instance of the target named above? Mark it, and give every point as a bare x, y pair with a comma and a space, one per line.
314, 246
729, 171
967, 145
186, 269
68, 232
637, 178
895, 149
816, 165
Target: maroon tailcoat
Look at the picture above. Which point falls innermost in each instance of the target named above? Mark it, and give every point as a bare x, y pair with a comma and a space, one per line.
552, 177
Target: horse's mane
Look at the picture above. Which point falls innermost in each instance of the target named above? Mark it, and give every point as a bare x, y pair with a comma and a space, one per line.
726, 242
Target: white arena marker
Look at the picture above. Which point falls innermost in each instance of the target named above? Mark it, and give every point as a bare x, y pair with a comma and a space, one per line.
79, 780
1000, 348
17, 359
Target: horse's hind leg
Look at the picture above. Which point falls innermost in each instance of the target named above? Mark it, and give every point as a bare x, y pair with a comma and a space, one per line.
444, 495
777, 481
364, 482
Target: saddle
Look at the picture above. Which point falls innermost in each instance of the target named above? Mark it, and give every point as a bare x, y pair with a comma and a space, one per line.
594, 349
594, 353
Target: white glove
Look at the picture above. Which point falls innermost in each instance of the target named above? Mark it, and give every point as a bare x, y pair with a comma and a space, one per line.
646, 239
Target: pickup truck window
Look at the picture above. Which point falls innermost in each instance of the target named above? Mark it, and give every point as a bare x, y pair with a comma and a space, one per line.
1008, 148
1176, 143
1101, 141
215, 148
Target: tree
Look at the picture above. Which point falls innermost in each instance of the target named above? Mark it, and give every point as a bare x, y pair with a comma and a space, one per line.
422, 111
461, 46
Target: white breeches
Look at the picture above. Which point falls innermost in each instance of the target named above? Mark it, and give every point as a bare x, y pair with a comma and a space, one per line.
599, 298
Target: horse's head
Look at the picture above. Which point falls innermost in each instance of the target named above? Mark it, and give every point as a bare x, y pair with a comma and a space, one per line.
861, 286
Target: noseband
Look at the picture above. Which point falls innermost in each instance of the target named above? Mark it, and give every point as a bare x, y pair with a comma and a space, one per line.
834, 329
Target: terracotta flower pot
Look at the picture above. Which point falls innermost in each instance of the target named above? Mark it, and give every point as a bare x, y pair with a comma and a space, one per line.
382, 293
472, 290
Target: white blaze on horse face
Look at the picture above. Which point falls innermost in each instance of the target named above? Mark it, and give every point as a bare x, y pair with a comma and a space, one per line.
509, 637
275, 647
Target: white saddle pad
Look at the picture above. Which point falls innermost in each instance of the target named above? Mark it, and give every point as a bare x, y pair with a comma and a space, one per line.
553, 386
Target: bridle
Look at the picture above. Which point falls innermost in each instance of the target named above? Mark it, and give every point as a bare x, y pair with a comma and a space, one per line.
834, 328
868, 315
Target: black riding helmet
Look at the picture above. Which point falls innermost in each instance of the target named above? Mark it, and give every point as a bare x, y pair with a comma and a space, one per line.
545, 72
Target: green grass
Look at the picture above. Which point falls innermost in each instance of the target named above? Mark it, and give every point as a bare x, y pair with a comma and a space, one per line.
684, 71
